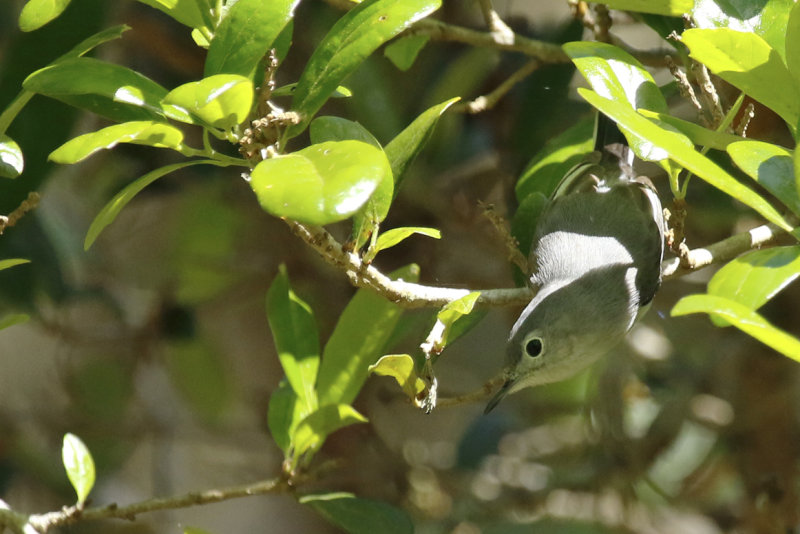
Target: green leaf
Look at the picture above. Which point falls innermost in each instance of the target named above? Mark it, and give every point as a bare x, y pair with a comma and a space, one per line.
11, 161
320, 184
192, 13
246, 34
5, 264
121, 199
354, 37
193, 530
671, 8
102, 87
79, 465
446, 319
37, 13
151, 133
360, 516
403, 149
314, 429
754, 278
222, 100
289, 89
200, 376
404, 51
748, 63
294, 331
696, 133
357, 342
400, 367
616, 75
766, 18
13, 319
559, 155
103, 36
390, 238
792, 41
283, 415
771, 166
742, 318
682, 152
330, 128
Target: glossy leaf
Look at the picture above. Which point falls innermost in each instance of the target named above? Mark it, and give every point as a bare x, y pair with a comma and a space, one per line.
99, 86
359, 516
13, 319
765, 18
320, 184
121, 199
742, 318
392, 237
559, 155
400, 367
671, 8
754, 278
403, 149
11, 161
79, 465
246, 34
357, 342
5, 264
614, 74
699, 135
330, 128
192, 13
312, 431
222, 100
771, 166
354, 37
748, 63
151, 133
294, 332
682, 152
404, 51
37, 13
283, 415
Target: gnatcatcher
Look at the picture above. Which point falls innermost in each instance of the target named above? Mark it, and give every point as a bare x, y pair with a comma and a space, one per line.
596, 261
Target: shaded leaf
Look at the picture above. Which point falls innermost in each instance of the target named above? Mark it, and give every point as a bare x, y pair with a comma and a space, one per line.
748, 63
400, 367
192, 13
359, 516
151, 133
121, 199
294, 331
37, 13
403, 149
357, 342
246, 34
79, 465
771, 166
283, 415
792, 38
11, 160
222, 100
742, 318
682, 152
354, 37
322, 183
314, 429
404, 51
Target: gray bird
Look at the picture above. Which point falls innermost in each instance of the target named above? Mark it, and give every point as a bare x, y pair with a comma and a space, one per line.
596, 261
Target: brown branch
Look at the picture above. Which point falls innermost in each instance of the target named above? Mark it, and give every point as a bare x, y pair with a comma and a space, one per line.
27, 205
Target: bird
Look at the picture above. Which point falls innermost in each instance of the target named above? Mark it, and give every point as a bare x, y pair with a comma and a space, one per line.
595, 260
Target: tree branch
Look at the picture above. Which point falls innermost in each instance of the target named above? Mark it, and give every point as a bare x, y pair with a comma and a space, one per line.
488, 101
40, 523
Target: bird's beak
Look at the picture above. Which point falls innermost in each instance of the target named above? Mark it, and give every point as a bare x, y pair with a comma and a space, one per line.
502, 392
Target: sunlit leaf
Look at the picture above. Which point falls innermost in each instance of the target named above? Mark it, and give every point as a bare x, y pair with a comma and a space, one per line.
5, 264
312, 431
671, 8
354, 37
11, 161
151, 133
400, 367
321, 184
392, 237
742, 318
283, 415
37, 13
222, 100
192, 13
79, 465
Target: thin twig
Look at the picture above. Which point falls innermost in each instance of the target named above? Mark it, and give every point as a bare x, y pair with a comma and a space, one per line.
488, 101
709, 92
499, 29
480, 394
12, 218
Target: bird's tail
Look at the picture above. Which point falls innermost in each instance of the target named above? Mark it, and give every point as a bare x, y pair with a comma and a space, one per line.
609, 140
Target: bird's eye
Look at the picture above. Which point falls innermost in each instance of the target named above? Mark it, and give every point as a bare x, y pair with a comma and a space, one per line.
533, 347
